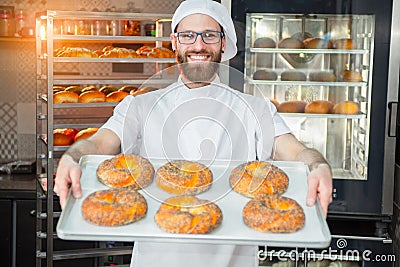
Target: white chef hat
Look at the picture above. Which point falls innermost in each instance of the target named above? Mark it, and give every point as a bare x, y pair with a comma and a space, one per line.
215, 10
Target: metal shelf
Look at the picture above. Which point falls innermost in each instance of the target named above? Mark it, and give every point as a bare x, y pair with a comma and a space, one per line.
309, 83
309, 51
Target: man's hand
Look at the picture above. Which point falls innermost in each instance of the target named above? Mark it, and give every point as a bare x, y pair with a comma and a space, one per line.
68, 176
320, 185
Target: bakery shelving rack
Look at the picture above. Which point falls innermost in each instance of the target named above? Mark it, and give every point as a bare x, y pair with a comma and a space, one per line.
341, 138
55, 29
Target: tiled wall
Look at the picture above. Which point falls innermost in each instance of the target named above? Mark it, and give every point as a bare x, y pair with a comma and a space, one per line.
18, 68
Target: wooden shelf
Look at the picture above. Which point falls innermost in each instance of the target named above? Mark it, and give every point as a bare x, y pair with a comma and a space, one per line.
18, 39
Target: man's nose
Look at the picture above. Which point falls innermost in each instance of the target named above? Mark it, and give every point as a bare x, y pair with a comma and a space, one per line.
199, 42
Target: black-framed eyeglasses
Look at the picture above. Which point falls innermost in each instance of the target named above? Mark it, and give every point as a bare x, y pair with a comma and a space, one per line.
190, 37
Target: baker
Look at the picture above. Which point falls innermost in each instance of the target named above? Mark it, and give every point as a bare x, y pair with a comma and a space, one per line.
197, 118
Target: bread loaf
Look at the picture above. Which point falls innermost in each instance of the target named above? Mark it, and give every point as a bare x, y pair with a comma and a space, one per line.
322, 76
85, 133
265, 75
293, 75
264, 42
64, 137
65, 97
92, 97
351, 76
117, 96
346, 107
319, 107
296, 106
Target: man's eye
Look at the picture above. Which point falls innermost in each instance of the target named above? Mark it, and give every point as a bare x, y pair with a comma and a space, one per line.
187, 35
210, 35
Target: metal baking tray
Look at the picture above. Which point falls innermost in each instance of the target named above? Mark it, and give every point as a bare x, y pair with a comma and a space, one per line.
315, 234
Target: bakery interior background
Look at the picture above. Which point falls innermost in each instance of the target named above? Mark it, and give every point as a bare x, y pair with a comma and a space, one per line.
18, 69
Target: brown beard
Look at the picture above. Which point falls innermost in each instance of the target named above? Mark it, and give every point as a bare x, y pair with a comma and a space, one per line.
199, 72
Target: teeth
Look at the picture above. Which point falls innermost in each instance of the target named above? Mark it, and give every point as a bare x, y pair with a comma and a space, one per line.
198, 57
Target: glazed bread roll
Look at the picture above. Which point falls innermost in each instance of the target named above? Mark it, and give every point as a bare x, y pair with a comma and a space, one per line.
322, 76
107, 89
296, 106
319, 107
291, 43
265, 75
317, 43
74, 88
293, 75
92, 97
65, 97
116, 96
64, 137
264, 42
344, 43
85, 133
352, 76
346, 107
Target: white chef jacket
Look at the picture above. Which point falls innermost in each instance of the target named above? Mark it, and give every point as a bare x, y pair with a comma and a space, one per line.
206, 123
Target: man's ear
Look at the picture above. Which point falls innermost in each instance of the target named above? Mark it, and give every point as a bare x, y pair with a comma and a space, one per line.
173, 41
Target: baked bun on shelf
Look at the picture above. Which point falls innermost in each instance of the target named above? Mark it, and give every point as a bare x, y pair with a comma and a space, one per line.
296, 106
64, 137
351, 76
116, 96
107, 89
92, 97
322, 76
293, 75
65, 97
85, 133
346, 107
319, 107
265, 75
264, 42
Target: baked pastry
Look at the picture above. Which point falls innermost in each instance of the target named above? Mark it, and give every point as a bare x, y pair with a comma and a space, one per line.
65, 97
293, 75
116, 96
346, 107
264, 42
126, 170
58, 88
265, 75
107, 89
317, 43
344, 43
322, 76
351, 76
74, 52
114, 207
92, 97
119, 52
276, 214
64, 137
85, 133
295, 106
319, 107
257, 178
74, 88
291, 43
183, 177
143, 51
188, 215
160, 52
